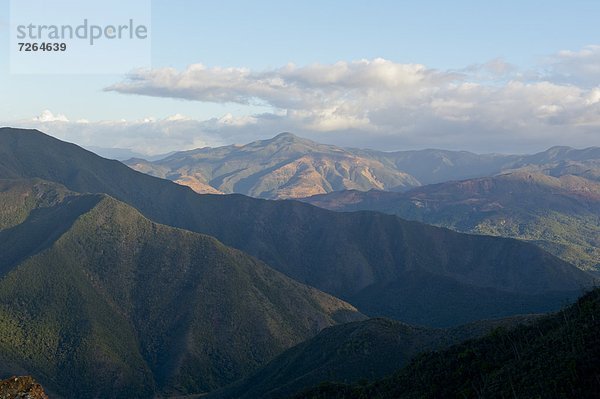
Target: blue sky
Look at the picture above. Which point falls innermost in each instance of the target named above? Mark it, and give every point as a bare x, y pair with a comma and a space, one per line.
523, 38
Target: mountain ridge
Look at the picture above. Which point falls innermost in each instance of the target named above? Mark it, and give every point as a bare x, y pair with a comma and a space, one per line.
284, 166
287, 166
352, 352
553, 357
560, 214
97, 312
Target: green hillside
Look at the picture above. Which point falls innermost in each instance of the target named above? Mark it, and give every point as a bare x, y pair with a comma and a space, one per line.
20, 197
353, 352
555, 357
360, 257
118, 306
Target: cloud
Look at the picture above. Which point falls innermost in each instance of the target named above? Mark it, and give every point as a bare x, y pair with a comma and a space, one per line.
493, 106
581, 68
379, 94
149, 136
47, 116
494, 70
324, 97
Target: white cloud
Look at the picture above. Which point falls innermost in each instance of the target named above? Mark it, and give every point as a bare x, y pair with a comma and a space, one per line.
47, 116
230, 120
581, 68
372, 103
149, 135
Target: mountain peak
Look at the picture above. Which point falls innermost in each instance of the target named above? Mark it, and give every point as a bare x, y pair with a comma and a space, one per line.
287, 137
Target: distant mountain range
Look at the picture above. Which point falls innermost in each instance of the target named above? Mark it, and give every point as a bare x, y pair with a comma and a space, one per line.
560, 214
551, 198
283, 167
111, 281
288, 166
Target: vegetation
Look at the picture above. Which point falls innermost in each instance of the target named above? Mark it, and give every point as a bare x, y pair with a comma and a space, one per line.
361, 257
555, 357
352, 352
559, 214
118, 306
20, 197
96, 300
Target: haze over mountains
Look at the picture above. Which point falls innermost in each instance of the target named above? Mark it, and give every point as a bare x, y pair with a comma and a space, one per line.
127, 285
123, 154
288, 166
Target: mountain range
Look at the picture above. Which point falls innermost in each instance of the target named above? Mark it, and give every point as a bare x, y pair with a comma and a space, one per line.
383, 265
551, 198
114, 283
283, 167
560, 214
288, 166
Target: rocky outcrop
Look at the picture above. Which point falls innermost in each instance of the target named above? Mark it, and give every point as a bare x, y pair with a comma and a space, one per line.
21, 388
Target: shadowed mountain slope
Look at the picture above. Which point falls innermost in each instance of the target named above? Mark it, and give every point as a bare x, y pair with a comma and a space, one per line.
114, 305
351, 352
554, 357
560, 214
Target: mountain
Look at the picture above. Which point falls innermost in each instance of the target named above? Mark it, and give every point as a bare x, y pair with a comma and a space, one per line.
383, 265
98, 301
21, 388
436, 166
283, 167
560, 214
288, 166
555, 357
560, 154
352, 352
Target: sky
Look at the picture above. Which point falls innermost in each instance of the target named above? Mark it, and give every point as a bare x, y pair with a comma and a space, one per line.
511, 76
